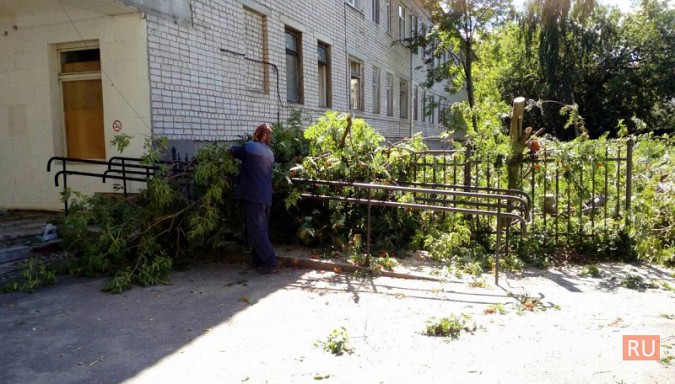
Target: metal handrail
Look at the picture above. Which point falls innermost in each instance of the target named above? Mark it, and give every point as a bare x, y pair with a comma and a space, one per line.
502, 201
126, 175
525, 208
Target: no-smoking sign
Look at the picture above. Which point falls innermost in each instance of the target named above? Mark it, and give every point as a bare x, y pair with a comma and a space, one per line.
117, 125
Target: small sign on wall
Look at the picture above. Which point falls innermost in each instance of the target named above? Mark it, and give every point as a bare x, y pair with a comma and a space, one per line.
117, 125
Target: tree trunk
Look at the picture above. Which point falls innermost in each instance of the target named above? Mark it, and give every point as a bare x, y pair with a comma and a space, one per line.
516, 139
468, 69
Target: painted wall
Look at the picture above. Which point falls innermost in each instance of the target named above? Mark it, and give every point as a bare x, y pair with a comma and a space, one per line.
31, 117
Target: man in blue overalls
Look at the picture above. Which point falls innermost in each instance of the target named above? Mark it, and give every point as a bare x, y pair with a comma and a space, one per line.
254, 189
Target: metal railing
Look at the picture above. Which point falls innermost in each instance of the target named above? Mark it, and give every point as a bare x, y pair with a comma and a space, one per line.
446, 199
514, 206
120, 168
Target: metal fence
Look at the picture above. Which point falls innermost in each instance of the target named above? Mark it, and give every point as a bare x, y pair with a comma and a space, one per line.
570, 195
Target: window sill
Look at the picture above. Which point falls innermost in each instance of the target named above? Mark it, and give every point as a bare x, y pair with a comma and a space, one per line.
359, 11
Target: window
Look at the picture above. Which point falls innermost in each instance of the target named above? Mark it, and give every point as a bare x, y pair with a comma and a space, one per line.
257, 74
376, 90
293, 67
403, 96
387, 15
413, 25
353, 3
324, 73
415, 101
431, 109
80, 80
401, 22
440, 112
376, 11
356, 85
424, 47
424, 106
389, 101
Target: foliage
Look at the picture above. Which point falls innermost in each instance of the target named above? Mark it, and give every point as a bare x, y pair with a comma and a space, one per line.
525, 302
592, 271
337, 342
459, 27
34, 274
553, 52
346, 149
451, 326
498, 308
139, 239
186, 211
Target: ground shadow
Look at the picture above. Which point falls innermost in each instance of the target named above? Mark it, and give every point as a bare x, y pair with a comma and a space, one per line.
74, 333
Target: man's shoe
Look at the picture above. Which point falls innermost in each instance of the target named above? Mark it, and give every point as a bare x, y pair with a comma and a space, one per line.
268, 269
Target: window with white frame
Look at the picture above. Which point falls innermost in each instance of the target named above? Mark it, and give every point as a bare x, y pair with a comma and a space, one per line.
424, 47
376, 90
82, 97
413, 25
431, 109
387, 15
403, 97
376, 11
389, 99
353, 3
293, 66
424, 105
415, 101
324, 73
401, 22
356, 85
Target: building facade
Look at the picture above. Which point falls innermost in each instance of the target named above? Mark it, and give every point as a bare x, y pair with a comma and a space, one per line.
77, 72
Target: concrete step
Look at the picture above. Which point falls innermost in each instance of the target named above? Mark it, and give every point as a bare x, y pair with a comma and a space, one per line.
20, 252
21, 233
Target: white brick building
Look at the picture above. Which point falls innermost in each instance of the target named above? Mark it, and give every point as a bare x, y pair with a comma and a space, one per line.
76, 72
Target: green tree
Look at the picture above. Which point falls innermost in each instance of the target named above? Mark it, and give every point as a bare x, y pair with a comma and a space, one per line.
459, 27
613, 66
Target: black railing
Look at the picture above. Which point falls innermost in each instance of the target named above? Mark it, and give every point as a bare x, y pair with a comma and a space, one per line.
566, 201
445, 199
124, 169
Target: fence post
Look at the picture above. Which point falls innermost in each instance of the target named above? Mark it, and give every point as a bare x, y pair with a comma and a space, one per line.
368, 233
467, 166
498, 241
629, 177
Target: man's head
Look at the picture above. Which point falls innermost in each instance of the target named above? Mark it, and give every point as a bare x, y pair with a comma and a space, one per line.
263, 134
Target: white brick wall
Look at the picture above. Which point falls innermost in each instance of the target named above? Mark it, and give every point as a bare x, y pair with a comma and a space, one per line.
199, 93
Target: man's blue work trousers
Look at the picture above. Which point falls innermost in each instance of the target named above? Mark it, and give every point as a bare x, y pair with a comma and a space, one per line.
257, 232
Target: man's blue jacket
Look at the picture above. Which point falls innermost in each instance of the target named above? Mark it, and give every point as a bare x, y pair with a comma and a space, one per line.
255, 178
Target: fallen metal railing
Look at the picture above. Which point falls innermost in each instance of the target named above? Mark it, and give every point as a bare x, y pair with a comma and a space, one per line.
500, 212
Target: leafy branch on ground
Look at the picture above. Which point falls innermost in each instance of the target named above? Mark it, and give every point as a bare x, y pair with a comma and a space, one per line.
527, 303
336, 343
495, 308
452, 326
34, 274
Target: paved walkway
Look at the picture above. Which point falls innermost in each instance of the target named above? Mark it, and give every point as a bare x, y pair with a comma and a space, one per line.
221, 323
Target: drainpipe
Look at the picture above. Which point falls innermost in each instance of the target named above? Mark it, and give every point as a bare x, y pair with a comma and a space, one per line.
411, 87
